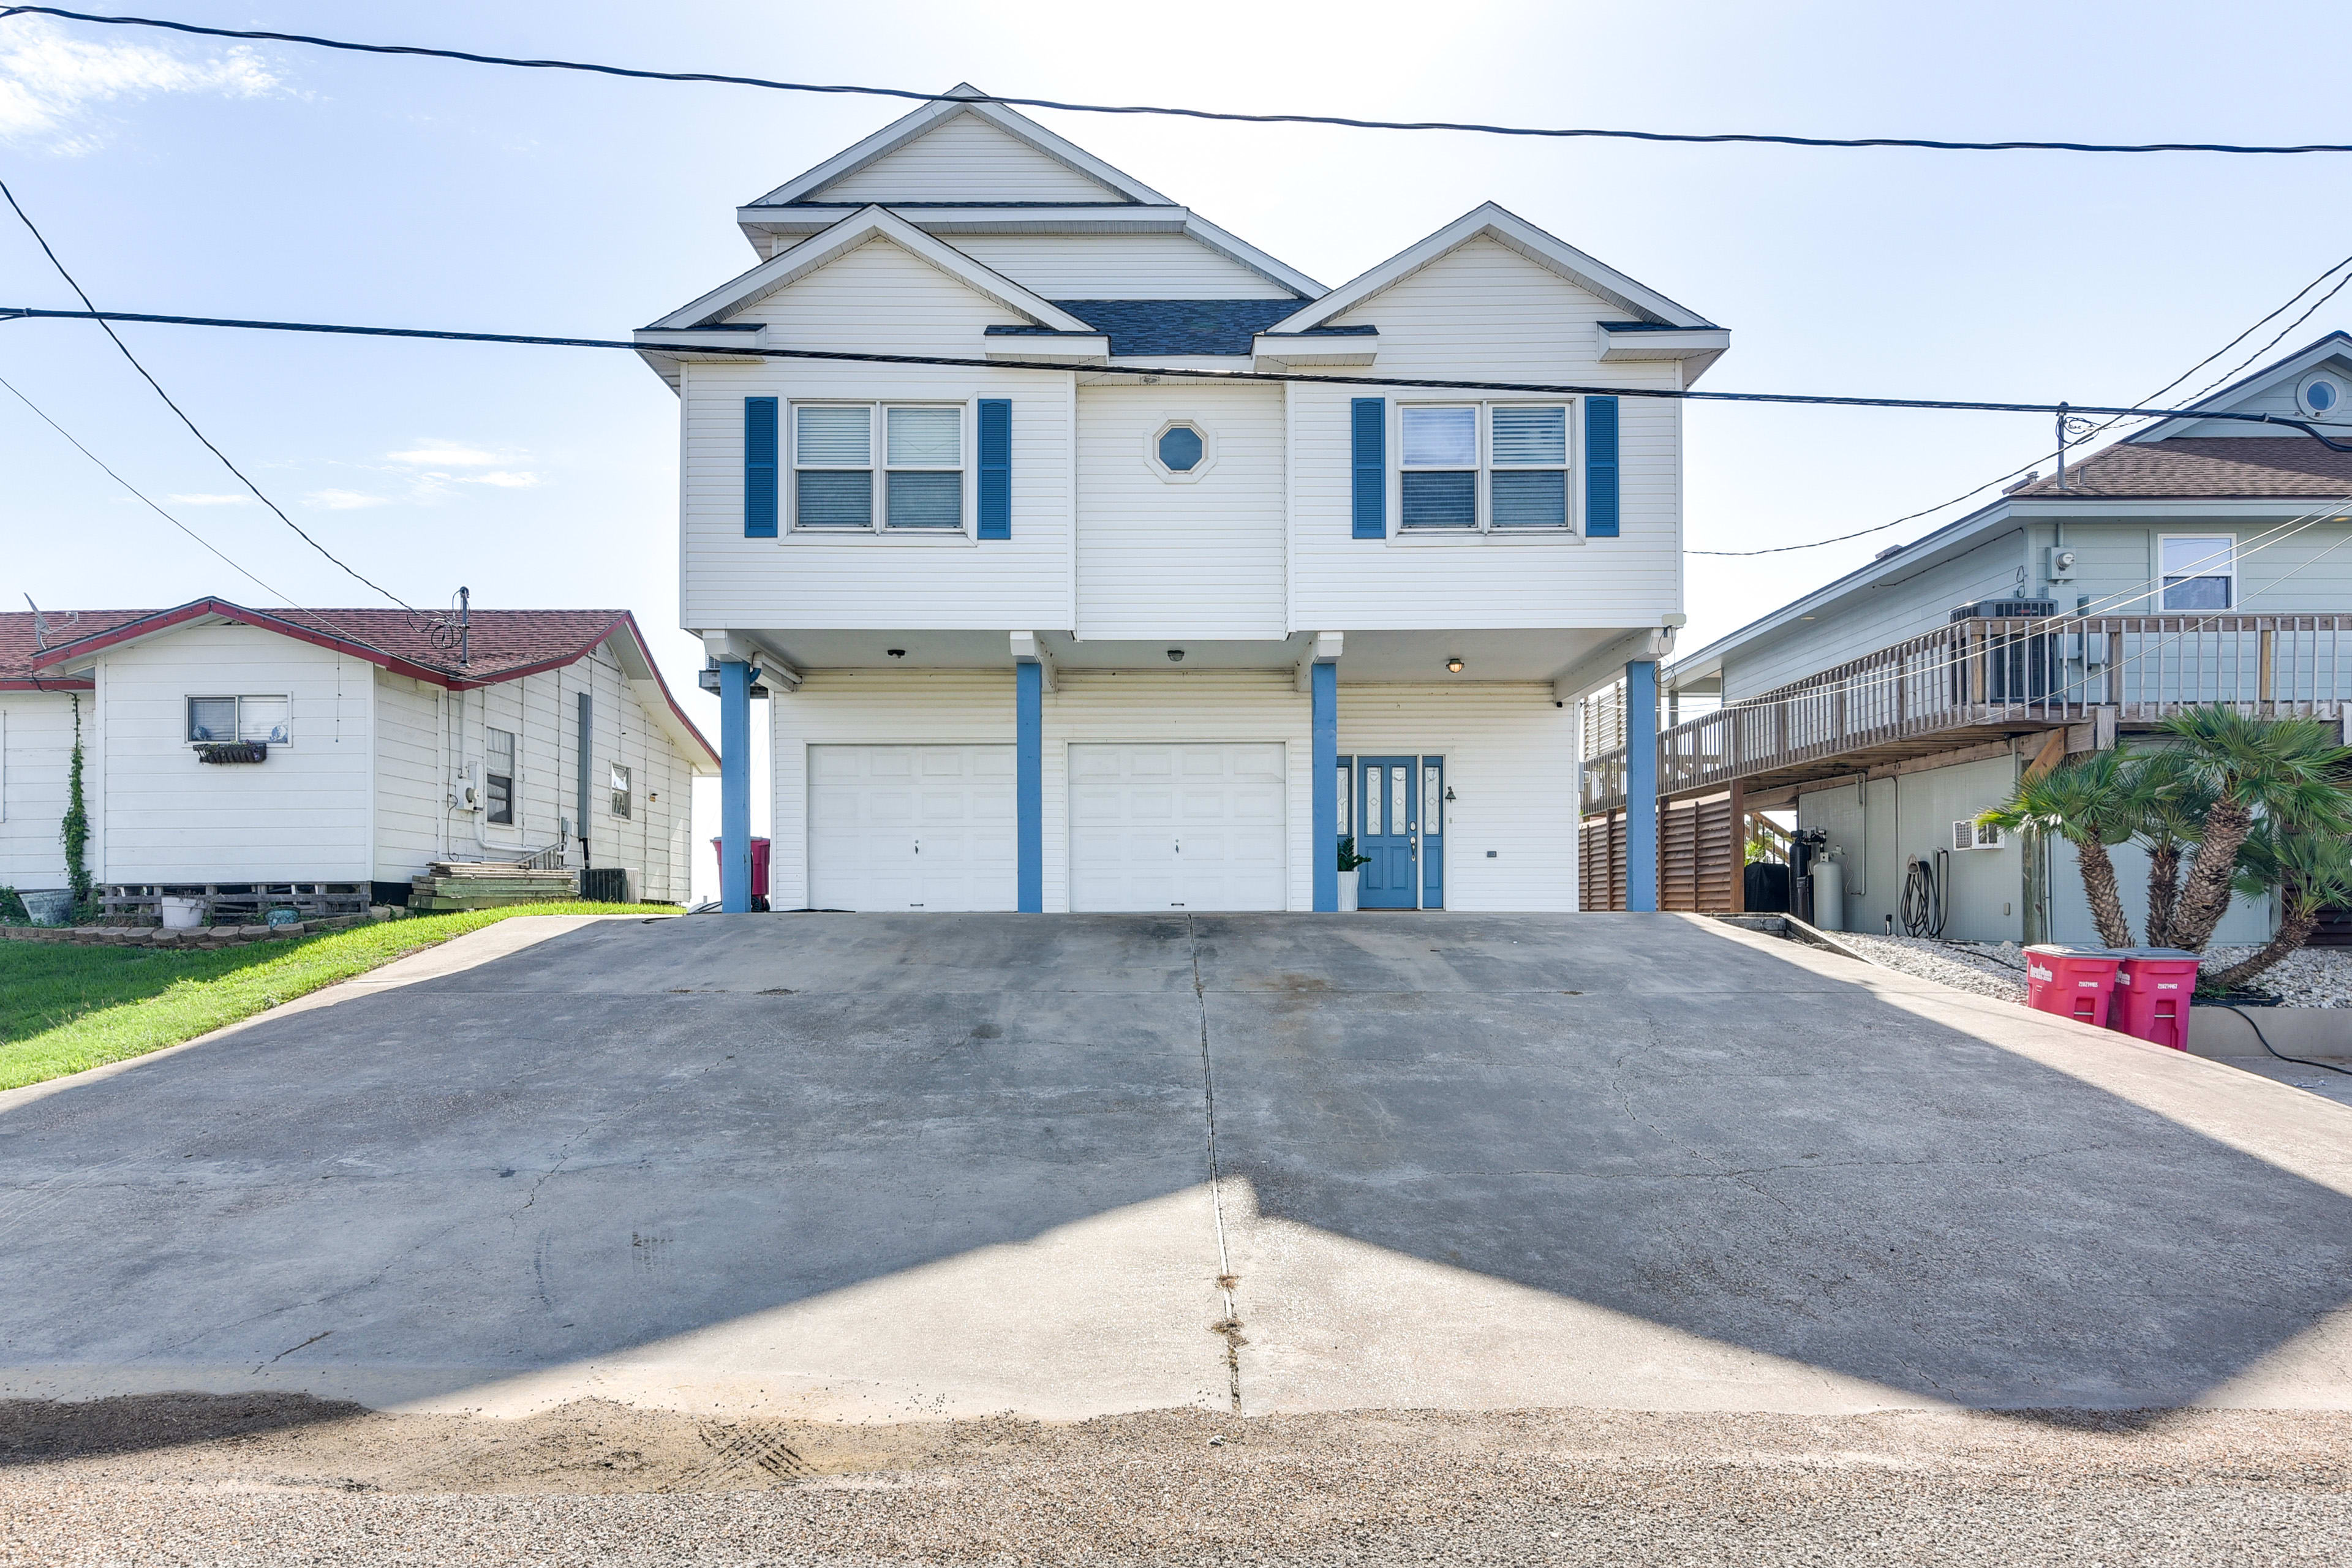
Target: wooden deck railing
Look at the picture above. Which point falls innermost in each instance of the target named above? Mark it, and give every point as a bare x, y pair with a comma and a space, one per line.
2013, 674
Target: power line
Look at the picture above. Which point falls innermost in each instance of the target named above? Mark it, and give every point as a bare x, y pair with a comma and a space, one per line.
2109, 424
1556, 389
142, 496
1347, 122
105, 325
144, 500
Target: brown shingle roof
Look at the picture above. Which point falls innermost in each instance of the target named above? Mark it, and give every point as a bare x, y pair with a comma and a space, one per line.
2206, 466
501, 645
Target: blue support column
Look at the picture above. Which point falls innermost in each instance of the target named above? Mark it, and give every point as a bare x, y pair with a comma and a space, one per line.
1323, 682
1029, 787
1641, 787
734, 786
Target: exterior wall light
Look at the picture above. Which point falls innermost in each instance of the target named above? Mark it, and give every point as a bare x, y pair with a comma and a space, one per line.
1454, 665
1175, 656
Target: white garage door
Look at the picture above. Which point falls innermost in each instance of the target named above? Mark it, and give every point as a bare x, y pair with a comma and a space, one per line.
1177, 827
911, 828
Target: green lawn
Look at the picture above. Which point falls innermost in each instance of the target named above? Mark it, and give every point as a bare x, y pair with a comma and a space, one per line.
64, 1008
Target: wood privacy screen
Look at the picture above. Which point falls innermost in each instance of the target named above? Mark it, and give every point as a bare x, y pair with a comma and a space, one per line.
1701, 855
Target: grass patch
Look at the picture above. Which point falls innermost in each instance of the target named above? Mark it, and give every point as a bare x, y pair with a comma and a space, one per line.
64, 1010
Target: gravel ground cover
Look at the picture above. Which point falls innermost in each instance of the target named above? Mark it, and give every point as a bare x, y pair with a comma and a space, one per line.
156, 1482
2314, 977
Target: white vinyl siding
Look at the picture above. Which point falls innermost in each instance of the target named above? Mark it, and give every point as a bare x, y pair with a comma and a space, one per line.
303, 815
1510, 760
875, 298
35, 747
965, 159
1485, 312
896, 828
1115, 266
1204, 558
1195, 826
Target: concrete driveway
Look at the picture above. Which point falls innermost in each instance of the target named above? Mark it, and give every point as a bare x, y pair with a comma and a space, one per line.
877, 1168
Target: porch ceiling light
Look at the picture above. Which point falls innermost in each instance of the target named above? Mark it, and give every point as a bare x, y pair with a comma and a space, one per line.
1454, 665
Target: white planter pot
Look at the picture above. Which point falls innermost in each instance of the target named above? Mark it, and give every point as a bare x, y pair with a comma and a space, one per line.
182, 914
1348, 890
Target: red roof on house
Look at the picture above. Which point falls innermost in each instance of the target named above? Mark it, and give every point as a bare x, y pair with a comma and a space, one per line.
497, 645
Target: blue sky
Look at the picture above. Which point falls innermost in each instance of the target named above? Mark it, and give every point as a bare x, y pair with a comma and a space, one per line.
185, 176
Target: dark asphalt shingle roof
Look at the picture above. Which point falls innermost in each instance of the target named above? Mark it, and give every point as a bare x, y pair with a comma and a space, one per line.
500, 640
1180, 326
2215, 466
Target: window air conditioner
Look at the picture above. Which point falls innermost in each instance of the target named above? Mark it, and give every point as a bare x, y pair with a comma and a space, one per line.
1970, 834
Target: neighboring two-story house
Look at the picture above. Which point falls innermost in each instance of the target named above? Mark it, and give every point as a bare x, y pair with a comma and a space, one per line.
1044, 624
2199, 560
339, 751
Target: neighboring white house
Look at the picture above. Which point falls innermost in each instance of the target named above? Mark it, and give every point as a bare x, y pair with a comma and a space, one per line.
229, 746
2202, 559
1049, 628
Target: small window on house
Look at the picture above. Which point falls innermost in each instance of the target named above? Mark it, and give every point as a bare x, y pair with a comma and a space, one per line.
1181, 449
221, 719
925, 451
1529, 485
499, 776
833, 467
1440, 477
620, 786
2201, 571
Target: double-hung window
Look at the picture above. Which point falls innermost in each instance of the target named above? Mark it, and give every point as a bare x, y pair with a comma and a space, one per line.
915, 487
223, 720
1499, 468
2201, 571
499, 776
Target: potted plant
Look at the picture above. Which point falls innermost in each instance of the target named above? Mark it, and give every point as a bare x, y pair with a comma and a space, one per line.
1349, 861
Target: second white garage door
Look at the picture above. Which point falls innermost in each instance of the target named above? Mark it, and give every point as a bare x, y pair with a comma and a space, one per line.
911, 828
1177, 827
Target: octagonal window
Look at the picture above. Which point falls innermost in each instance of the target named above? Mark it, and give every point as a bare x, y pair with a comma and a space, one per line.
1180, 449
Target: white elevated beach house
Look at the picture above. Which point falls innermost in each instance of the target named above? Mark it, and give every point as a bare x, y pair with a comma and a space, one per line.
1046, 624
339, 752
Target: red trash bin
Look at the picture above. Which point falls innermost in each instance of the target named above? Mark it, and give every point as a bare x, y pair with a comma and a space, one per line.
2153, 985
2072, 982
759, 864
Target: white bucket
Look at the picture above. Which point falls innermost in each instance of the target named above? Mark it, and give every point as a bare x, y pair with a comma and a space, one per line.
182, 914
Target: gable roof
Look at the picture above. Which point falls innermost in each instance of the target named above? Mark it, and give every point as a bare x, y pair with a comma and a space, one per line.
501, 645
2291, 368
961, 99
27, 636
787, 267
1493, 222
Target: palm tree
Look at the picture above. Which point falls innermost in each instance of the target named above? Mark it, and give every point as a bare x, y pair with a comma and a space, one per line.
2171, 800
2086, 802
2280, 768
2309, 872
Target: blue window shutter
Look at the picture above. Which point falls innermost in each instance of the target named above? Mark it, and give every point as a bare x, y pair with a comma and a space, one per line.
996, 467
1601, 467
759, 467
1369, 427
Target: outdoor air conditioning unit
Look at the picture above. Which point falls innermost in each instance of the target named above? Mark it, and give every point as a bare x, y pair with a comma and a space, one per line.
1970, 834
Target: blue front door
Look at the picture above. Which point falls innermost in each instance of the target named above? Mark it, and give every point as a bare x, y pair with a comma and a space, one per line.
1387, 819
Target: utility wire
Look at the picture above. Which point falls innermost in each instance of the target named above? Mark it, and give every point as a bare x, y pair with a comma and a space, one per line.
144, 500
2096, 431
1348, 122
1557, 389
42, 415
105, 324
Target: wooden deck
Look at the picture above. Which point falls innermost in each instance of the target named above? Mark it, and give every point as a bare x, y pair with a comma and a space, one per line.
1979, 681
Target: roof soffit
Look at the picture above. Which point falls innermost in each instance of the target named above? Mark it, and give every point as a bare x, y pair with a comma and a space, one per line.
787, 267
1508, 229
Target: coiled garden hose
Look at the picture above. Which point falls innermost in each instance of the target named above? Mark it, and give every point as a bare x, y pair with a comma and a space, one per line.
1923, 904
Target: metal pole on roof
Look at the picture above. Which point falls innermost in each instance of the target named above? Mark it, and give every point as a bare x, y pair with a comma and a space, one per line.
465, 627
2061, 445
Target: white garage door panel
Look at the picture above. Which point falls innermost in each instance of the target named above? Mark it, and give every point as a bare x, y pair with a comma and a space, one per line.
1181, 827
911, 828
